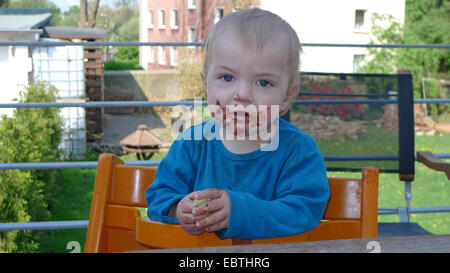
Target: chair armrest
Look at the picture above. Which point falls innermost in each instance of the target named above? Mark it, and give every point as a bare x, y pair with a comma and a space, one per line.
433, 162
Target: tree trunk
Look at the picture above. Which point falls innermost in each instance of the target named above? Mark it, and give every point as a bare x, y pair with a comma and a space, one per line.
85, 20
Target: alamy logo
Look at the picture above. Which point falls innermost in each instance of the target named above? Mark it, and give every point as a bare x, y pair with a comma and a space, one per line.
233, 122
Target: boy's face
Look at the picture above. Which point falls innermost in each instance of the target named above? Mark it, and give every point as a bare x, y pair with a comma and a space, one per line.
257, 81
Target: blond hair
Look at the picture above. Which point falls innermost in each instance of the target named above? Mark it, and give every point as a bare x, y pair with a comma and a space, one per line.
256, 27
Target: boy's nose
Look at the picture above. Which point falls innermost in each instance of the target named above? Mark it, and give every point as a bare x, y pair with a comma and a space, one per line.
243, 93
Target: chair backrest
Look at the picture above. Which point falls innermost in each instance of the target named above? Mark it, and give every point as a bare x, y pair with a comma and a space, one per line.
115, 223
375, 116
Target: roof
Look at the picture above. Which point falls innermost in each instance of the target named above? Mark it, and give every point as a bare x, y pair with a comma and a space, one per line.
24, 19
73, 32
141, 138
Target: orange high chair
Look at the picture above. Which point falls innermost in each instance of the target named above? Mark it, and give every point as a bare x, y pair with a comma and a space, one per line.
115, 224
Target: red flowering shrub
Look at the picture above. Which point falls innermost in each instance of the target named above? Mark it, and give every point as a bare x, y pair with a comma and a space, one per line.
343, 111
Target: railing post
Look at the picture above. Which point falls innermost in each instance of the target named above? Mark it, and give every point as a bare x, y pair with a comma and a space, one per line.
406, 136
406, 125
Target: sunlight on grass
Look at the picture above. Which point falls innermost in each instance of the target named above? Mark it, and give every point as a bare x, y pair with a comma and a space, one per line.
429, 188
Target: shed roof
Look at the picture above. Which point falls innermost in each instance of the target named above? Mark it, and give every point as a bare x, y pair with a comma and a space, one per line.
74, 32
24, 19
140, 138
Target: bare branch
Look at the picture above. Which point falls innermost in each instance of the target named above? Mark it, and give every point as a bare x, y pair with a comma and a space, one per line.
93, 13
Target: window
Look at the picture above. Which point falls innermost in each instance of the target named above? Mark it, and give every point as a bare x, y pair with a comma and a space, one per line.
151, 58
173, 56
150, 18
218, 14
357, 62
161, 55
191, 4
174, 19
359, 18
161, 20
192, 36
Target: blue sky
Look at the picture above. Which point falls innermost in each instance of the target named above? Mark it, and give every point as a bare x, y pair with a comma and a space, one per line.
65, 4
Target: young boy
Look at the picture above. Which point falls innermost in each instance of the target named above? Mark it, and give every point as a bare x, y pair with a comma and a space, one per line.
262, 176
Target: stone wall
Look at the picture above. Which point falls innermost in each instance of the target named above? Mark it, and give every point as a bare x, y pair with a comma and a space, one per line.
139, 86
328, 127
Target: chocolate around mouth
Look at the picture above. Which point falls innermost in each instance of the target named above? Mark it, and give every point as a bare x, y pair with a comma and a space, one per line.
224, 114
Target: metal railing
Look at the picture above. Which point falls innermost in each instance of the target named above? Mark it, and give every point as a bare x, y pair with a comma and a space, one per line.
51, 225
48, 43
93, 164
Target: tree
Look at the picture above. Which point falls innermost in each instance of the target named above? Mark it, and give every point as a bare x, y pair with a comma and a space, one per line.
31, 135
35, 4
71, 17
426, 22
121, 22
88, 20
4, 3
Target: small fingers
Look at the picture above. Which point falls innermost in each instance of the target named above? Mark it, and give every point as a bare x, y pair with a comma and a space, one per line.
213, 219
210, 206
211, 193
217, 226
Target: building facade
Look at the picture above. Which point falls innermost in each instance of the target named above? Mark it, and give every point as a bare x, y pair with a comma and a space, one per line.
333, 22
318, 21
179, 21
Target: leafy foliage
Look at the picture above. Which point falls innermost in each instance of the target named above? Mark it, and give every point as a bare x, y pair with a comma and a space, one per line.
39, 4
31, 135
122, 65
127, 53
427, 22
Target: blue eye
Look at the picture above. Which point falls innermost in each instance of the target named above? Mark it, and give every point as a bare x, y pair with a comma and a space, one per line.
227, 78
263, 83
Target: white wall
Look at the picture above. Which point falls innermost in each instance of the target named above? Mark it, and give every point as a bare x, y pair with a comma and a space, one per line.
15, 64
62, 67
331, 21
144, 19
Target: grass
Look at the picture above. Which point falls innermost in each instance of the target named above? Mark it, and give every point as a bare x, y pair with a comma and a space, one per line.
376, 141
73, 203
429, 188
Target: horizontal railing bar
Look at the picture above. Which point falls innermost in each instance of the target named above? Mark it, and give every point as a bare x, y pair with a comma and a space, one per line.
68, 165
48, 43
44, 225
377, 45
101, 104
53, 225
108, 104
386, 211
431, 101
361, 157
429, 209
345, 95
93, 164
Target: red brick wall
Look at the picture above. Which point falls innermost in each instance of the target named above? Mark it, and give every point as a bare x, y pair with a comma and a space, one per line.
202, 18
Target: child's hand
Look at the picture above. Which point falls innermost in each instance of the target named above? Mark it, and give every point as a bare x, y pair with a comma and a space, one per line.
215, 212
186, 218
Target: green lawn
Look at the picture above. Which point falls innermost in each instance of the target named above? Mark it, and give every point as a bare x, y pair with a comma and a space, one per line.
429, 189
73, 203
375, 141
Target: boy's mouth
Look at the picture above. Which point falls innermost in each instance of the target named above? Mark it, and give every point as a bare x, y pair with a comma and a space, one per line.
237, 115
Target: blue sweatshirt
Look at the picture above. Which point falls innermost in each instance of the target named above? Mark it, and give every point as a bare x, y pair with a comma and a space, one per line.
273, 193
